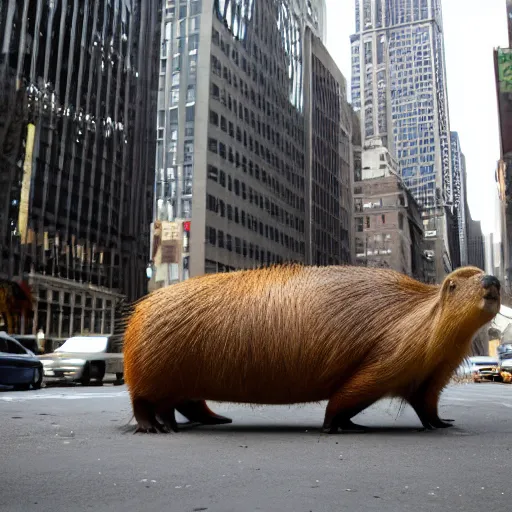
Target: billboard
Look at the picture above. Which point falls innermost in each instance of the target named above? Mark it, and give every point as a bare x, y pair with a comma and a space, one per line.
169, 245
503, 71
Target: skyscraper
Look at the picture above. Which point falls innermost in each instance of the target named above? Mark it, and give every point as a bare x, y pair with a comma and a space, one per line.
459, 196
77, 137
233, 165
399, 86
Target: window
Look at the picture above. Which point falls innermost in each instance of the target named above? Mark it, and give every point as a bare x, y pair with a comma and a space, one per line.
212, 145
212, 236
214, 118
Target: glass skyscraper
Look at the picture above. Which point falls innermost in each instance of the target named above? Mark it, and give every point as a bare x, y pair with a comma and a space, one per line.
399, 87
77, 139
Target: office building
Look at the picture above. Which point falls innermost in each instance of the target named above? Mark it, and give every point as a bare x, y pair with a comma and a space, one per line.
329, 160
502, 66
241, 177
399, 88
77, 137
476, 244
388, 225
459, 200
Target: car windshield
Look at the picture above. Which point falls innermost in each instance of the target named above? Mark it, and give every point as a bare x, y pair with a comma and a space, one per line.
84, 344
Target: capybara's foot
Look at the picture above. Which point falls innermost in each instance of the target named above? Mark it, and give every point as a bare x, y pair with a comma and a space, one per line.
148, 428
147, 423
347, 426
439, 423
432, 424
199, 412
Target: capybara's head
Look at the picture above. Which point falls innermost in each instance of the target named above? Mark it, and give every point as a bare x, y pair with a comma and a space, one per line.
469, 293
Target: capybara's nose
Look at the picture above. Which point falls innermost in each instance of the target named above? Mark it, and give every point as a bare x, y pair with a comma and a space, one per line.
488, 281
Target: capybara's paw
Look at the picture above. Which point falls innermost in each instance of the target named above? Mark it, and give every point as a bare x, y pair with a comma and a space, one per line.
148, 428
439, 423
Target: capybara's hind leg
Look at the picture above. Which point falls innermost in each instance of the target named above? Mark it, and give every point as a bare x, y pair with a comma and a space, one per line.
144, 412
198, 411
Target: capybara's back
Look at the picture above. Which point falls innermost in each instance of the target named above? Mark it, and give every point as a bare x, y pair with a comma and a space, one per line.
278, 335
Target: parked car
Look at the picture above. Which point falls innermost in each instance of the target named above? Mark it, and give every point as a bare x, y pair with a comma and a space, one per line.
19, 367
83, 359
506, 370
504, 351
480, 368
30, 341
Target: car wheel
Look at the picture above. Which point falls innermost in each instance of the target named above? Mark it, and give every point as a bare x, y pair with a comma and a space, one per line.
85, 380
119, 379
38, 378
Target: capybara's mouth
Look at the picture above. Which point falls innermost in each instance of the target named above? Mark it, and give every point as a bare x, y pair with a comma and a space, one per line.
492, 297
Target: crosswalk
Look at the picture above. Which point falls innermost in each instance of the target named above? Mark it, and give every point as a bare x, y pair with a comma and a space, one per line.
479, 394
470, 394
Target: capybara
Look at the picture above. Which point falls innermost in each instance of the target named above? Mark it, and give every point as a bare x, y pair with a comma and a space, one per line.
292, 334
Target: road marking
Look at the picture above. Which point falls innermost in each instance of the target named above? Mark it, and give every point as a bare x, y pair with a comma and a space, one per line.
75, 396
473, 400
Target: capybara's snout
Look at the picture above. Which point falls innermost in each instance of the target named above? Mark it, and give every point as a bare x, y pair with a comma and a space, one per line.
489, 282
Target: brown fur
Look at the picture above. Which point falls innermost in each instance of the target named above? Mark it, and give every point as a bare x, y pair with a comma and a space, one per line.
294, 334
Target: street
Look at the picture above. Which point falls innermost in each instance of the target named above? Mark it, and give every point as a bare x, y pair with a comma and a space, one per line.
69, 448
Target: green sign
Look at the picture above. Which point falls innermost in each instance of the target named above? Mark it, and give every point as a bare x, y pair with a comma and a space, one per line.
505, 69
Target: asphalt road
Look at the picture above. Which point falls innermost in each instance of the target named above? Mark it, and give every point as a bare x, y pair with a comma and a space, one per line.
68, 449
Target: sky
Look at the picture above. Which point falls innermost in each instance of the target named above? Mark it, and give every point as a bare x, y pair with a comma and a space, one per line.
472, 28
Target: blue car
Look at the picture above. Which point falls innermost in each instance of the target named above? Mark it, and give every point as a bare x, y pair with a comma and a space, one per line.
19, 367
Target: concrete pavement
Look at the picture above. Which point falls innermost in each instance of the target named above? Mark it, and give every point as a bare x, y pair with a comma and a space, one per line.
68, 449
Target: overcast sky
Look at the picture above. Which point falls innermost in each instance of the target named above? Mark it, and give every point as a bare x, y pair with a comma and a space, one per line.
472, 29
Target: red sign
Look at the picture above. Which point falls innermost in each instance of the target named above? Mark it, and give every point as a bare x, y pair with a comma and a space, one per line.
186, 226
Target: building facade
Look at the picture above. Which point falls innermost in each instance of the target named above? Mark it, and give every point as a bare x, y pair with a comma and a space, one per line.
502, 68
476, 244
77, 137
459, 199
233, 166
388, 224
329, 160
399, 87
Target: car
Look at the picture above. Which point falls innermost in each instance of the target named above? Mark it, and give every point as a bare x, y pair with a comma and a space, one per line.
506, 370
82, 359
481, 368
19, 367
504, 351
31, 342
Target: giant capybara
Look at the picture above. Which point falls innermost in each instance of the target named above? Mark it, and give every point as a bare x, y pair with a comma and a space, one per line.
294, 334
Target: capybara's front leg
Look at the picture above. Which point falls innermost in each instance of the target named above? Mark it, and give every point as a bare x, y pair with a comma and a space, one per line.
346, 404
425, 403
198, 411
168, 417
144, 413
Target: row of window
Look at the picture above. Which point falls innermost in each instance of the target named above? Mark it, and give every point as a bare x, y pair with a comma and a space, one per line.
252, 223
272, 184
218, 238
286, 146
